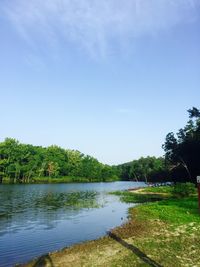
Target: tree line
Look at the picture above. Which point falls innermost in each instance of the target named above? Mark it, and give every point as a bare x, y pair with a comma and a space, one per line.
181, 162
23, 163
149, 169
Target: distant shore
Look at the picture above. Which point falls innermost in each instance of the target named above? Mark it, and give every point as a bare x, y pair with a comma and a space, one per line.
58, 180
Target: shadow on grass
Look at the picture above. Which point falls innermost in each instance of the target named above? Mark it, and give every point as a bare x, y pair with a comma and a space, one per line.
135, 250
43, 261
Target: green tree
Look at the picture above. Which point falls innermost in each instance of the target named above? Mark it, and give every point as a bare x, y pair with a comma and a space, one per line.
183, 149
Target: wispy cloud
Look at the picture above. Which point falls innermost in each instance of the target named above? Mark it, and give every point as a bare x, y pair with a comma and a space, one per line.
97, 26
35, 62
125, 110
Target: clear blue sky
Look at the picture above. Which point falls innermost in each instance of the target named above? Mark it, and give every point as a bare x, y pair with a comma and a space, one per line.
110, 78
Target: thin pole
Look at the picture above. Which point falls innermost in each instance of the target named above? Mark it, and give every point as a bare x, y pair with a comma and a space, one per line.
198, 186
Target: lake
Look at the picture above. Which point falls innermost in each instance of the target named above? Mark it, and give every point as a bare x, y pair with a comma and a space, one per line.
37, 219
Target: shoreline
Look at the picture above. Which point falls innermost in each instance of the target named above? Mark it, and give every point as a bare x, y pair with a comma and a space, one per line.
39, 260
122, 230
46, 259
156, 234
63, 181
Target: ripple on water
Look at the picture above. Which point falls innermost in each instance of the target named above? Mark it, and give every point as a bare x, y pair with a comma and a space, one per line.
36, 219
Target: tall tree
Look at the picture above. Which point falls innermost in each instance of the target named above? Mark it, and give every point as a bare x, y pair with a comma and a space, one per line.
183, 149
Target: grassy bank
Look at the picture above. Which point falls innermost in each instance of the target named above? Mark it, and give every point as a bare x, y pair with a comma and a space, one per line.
159, 233
63, 179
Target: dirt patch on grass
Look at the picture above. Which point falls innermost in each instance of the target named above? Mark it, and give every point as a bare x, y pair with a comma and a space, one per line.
133, 228
142, 191
158, 242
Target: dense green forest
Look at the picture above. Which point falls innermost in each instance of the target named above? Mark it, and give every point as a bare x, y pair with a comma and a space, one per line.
24, 163
149, 169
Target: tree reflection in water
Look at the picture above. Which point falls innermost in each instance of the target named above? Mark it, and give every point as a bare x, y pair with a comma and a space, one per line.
46, 207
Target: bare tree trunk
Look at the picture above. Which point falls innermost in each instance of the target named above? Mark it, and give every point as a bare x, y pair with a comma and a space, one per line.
30, 173
186, 167
145, 176
136, 179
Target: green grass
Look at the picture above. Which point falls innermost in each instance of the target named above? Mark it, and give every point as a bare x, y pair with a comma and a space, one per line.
174, 225
173, 211
63, 179
6, 180
165, 207
130, 197
70, 179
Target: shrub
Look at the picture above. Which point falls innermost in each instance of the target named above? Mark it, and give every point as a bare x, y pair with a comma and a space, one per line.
184, 189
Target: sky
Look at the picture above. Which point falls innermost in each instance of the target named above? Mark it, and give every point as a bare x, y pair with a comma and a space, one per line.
109, 78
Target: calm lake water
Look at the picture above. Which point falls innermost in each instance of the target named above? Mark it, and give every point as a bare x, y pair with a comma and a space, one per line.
36, 219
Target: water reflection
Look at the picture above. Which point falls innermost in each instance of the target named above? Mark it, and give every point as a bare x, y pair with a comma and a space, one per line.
42, 208
36, 219
70, 200
18, 202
